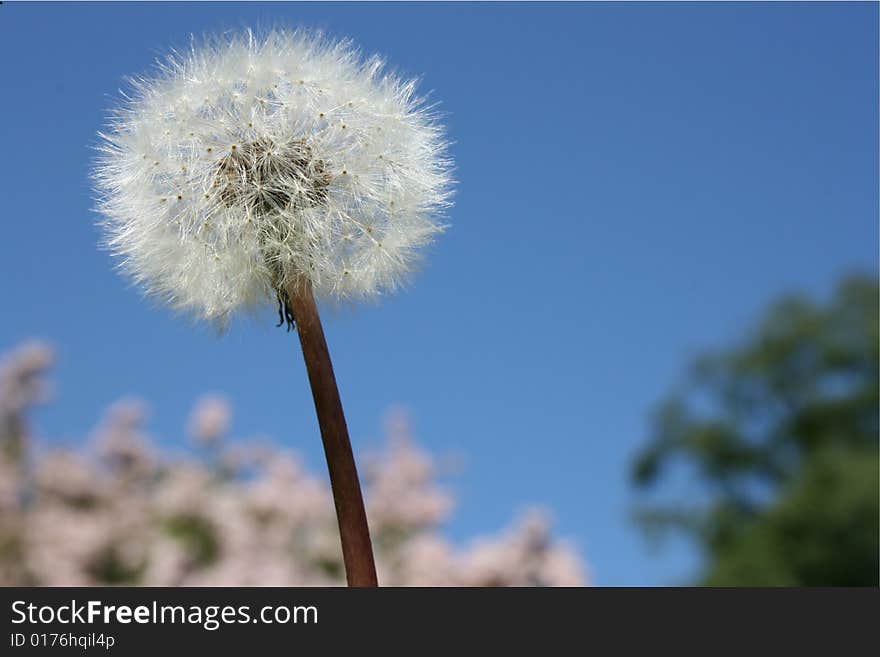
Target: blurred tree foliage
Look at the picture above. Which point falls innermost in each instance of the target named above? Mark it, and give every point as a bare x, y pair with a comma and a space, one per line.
781, 433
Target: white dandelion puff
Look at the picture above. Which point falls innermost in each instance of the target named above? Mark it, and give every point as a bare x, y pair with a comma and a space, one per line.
248, 163
276, 167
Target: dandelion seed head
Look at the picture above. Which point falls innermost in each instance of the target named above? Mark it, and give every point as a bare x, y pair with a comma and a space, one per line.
250, 162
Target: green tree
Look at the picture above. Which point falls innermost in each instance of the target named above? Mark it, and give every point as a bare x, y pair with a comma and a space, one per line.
778, 440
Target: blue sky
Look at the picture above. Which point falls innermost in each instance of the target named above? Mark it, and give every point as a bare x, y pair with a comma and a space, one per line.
636, 182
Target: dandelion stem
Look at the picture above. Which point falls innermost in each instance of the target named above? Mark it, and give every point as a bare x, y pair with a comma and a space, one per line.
357, 551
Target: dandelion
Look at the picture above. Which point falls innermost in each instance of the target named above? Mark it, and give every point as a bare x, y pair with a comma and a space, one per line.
254, 170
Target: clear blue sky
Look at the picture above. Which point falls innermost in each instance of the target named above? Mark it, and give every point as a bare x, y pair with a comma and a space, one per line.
636, 182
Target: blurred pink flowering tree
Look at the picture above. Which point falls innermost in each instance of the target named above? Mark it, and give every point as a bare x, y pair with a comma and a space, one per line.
240, 514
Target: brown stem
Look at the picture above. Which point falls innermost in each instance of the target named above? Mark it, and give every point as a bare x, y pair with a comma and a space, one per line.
357, 551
